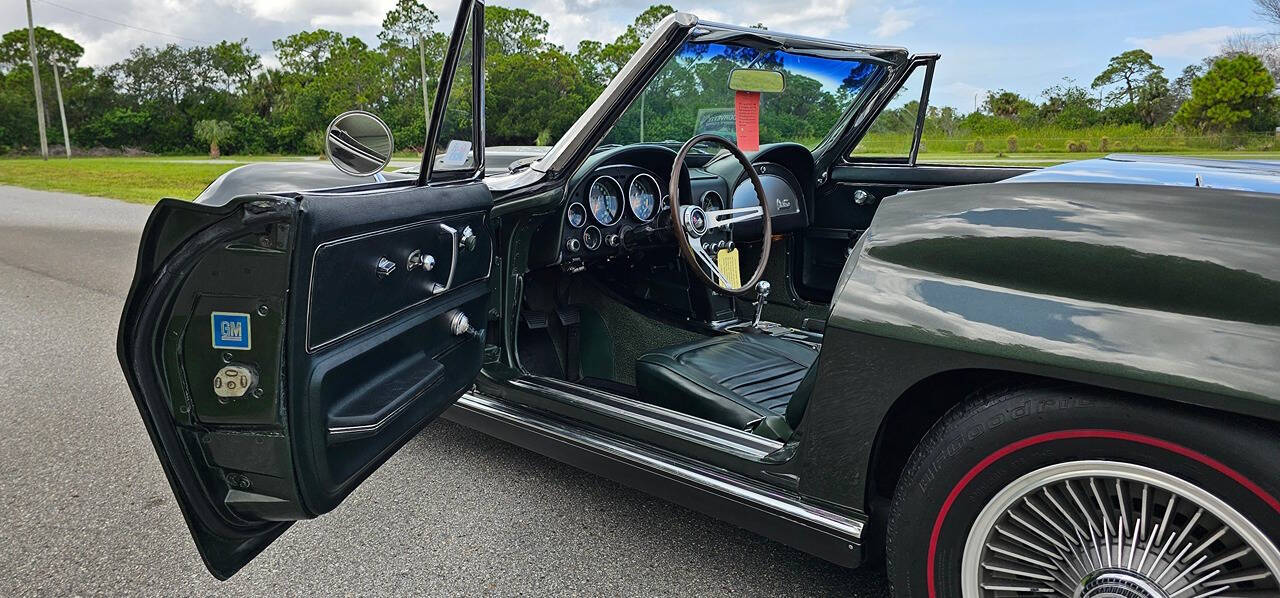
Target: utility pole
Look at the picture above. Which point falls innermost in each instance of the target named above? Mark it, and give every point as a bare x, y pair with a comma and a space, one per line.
421, 62
57, 86
35, 77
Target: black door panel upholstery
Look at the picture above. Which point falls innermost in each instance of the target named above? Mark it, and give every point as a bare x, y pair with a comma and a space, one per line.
348, 294
381, 357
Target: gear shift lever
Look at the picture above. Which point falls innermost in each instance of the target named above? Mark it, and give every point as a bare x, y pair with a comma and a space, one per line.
762, 297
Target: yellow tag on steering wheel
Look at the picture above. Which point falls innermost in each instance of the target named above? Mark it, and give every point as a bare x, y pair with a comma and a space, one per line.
727, 262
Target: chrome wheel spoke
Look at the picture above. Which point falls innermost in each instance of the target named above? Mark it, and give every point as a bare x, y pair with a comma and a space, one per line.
1096, 528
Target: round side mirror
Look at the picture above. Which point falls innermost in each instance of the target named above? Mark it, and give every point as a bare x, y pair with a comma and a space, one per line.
359, 143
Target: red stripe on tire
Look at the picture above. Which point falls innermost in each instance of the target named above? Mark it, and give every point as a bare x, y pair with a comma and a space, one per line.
1074, 434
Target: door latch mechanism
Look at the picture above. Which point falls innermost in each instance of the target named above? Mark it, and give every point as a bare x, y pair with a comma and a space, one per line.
234, 381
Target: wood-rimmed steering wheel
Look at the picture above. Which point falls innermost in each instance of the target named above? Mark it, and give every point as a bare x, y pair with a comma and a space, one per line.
691, 222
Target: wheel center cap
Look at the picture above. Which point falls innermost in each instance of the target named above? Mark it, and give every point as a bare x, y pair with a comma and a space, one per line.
1118, 583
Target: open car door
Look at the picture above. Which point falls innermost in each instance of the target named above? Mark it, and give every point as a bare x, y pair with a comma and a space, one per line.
281, 347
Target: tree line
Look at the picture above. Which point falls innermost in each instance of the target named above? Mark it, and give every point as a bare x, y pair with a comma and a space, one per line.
156, 98
174, 99
1220, 100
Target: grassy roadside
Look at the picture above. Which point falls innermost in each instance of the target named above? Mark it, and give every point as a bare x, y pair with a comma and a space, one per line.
136, 180
1052, 158
146, 180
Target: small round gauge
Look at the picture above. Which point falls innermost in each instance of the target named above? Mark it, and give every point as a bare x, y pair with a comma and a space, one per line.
577, 215
605, 200
591, 238
642, 197
711, 201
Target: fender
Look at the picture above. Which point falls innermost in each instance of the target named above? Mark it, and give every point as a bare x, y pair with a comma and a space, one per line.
1167, 291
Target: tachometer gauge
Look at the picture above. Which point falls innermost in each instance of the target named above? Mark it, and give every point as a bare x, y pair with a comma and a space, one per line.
642, 196
605, 200
711, 201
577, 215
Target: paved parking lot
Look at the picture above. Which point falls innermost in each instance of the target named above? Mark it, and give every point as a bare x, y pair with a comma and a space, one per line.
85, 509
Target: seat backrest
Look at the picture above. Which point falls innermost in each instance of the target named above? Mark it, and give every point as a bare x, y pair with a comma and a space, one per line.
800, 398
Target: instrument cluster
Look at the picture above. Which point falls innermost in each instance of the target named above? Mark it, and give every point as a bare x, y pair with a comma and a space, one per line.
611, 201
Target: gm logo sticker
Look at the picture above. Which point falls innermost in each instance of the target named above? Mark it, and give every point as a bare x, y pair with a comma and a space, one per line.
230, 330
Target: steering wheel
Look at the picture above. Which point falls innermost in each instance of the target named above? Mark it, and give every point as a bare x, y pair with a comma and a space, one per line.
691, 222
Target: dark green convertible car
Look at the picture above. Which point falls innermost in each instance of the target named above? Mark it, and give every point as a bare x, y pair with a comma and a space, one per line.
997, 381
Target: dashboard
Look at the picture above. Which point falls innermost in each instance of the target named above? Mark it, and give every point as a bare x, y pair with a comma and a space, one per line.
620, 202
610, 203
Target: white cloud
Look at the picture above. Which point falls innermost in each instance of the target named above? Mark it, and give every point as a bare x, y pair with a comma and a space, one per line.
1193, 43
361, 18
819, 18
894, 21
570, 20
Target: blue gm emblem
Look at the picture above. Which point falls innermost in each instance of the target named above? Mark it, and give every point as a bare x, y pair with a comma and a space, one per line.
230, 330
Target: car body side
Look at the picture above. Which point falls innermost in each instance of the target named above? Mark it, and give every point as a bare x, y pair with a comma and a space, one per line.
1138, 286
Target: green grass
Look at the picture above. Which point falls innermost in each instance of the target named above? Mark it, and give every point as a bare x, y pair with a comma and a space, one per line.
137, 180
1052, 158
1054, 140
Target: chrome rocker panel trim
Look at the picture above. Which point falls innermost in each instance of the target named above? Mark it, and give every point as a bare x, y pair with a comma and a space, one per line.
748, 504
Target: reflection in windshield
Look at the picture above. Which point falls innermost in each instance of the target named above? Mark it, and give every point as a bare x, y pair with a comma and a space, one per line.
691, 95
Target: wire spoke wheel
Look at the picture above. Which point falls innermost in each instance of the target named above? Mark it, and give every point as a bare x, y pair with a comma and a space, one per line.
1102, 529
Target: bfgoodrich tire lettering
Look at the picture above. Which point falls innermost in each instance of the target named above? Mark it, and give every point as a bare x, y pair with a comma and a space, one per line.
988, 443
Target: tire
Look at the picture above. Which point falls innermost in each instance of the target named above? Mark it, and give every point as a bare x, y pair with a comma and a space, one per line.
1026, 462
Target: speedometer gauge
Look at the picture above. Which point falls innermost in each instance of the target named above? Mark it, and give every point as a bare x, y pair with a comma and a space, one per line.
605, 200
642, 196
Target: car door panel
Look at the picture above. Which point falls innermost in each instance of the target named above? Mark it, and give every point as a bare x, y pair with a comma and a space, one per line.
380, 356
310, 422
200, 438
281, 347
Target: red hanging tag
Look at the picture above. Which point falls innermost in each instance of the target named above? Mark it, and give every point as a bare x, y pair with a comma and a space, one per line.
746, 113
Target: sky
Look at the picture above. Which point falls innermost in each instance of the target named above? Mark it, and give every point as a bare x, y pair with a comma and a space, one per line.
1023, 46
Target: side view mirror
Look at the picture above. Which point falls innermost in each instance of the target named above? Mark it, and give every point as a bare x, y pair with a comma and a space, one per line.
359, 143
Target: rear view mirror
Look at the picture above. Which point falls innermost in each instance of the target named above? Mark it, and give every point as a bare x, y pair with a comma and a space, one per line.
359, 143
757, 80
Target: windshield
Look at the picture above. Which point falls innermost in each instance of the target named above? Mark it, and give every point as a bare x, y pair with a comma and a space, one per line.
691, 95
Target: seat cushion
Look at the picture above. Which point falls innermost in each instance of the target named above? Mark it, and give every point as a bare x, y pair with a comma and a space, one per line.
734, 379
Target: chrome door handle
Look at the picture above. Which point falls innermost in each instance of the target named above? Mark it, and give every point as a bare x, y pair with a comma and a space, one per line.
425, 260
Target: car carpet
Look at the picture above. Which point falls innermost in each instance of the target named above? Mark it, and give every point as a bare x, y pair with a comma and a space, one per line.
626, 332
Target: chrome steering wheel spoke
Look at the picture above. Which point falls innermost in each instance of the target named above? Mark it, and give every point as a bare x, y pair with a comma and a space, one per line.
726, 217
691, 222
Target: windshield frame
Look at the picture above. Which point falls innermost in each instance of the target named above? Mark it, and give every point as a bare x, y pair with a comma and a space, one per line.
691, 95
668, 37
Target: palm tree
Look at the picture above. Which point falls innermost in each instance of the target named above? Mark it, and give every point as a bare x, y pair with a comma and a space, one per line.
213, 132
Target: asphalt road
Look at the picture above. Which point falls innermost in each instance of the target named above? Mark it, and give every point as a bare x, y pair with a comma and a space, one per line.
85, 509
